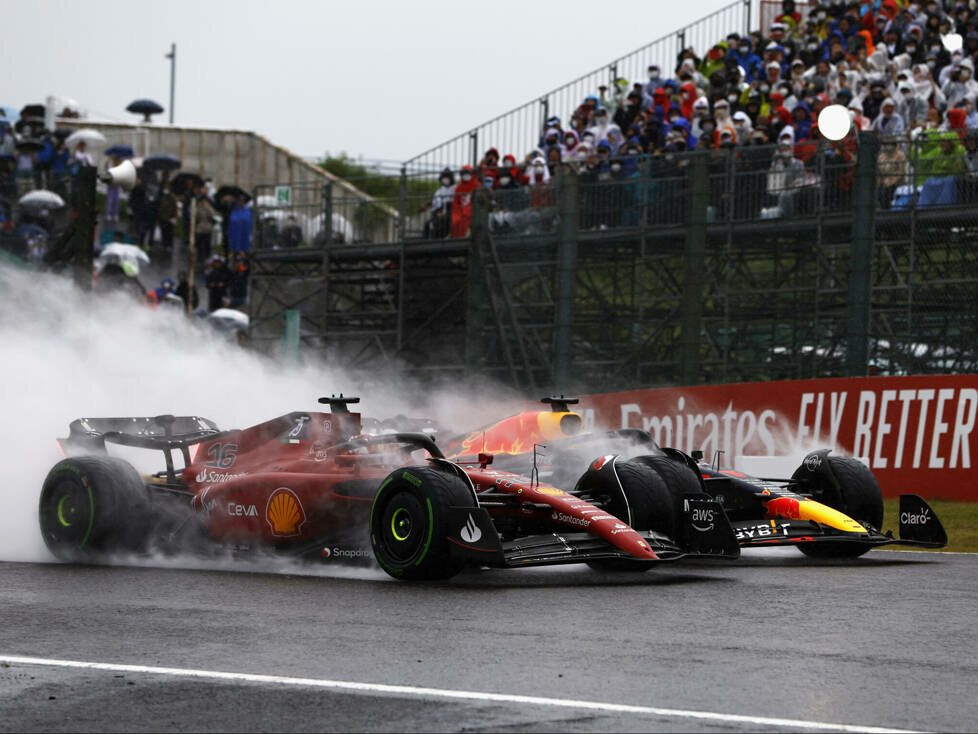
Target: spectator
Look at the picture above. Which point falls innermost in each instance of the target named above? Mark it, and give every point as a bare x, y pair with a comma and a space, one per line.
184, 291
911, 108
238, 285
462, 203
204, 225
113, 194
785, 174
489, 165
440, 220
888, 123
217, 276
289, 238
892, 170
239, 227
81, 156
166, 217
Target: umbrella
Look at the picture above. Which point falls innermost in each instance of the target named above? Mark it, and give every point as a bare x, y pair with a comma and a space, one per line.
41, 199
29, 125
33, 110
227, 195
130, 257
185, 182
232, 315
120, 151
31, 230
29, 145
86, 135
145, 107
161, 162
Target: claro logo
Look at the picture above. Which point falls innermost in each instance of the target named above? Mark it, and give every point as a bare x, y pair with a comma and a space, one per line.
908, 518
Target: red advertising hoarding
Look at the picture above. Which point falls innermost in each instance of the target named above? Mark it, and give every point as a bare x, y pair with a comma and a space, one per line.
916, 433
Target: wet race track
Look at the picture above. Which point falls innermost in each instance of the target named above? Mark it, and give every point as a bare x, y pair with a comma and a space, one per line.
772, 642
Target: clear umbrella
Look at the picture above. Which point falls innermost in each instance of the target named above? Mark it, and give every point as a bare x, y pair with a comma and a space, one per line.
130, 257
41, 199
86, 135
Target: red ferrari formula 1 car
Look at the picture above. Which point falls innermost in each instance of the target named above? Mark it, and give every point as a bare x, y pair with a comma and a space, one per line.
312, 484
831, 507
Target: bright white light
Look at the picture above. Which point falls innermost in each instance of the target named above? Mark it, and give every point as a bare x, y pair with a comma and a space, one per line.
953, 42
834, 122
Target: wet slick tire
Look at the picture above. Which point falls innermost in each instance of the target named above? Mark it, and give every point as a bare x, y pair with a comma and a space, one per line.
409, 523
858, 495
91, 507
652, 486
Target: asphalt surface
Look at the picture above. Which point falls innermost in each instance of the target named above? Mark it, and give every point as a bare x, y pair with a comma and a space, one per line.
885, 641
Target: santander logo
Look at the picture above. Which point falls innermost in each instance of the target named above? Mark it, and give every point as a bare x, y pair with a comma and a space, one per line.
470, 532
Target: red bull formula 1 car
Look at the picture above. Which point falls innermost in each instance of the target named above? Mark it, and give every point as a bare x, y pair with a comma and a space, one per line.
313, 484
831, 507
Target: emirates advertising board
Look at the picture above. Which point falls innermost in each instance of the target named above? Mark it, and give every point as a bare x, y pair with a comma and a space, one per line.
917, 434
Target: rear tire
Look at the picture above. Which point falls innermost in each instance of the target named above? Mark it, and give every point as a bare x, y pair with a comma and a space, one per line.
92, 506
409, 523
858, 495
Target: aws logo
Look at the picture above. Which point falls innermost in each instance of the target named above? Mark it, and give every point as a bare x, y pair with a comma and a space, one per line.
703, 519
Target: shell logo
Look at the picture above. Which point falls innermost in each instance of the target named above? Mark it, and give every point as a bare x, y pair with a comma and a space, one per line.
284, 513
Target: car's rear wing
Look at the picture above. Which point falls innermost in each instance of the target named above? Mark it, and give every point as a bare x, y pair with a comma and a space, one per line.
162, 432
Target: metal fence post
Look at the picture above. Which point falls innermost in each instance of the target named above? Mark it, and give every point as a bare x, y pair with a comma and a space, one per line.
544, 113
692, 316
328, 212
748, 15
402, 204
567, 208
474, 137
85, 230
477, 296
290, 337
861, 257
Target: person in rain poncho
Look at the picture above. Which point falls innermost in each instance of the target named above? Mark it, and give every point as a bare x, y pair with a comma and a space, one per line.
239, 227
910, 107
616, 100
745, 57
602, 125
462, 202
715, 58
785, 174
943, 155
961, 85
656, 80
742, 126
888, 123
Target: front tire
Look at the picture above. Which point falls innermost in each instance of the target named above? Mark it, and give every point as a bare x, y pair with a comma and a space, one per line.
653, 486
409, 523
849, 487
91, 506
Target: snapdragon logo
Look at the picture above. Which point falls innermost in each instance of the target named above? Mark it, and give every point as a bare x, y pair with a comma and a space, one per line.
348, 553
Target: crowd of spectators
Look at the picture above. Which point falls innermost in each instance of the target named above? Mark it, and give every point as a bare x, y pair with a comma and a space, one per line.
753, 101
155, 215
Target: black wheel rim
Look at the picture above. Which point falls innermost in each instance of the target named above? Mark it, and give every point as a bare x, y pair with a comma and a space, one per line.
67, 514
402, 527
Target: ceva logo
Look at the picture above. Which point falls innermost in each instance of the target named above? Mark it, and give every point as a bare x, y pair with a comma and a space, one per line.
470, 532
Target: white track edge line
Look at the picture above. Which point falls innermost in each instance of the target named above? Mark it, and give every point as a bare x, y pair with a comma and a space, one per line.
451, 694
